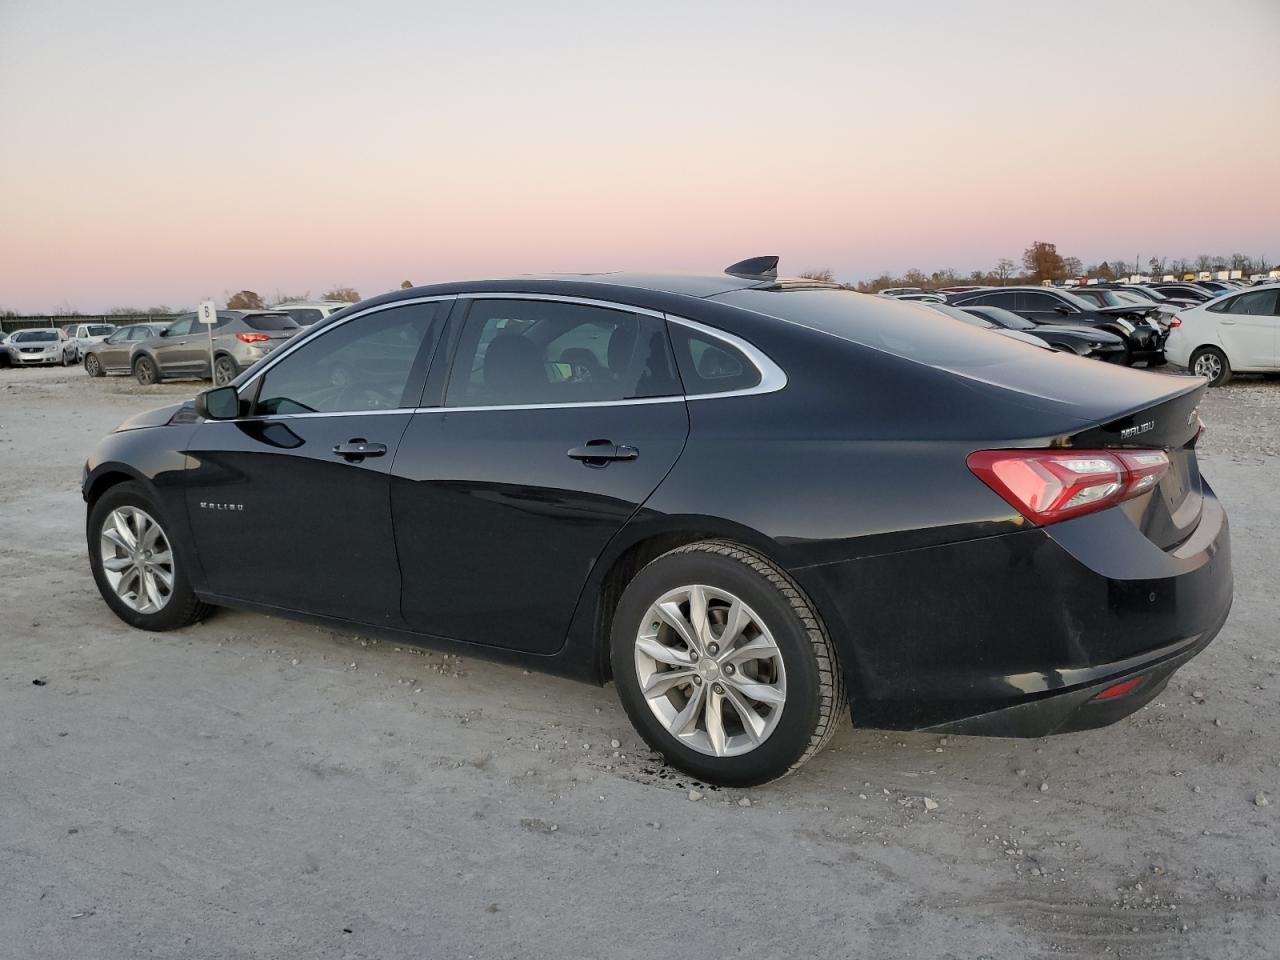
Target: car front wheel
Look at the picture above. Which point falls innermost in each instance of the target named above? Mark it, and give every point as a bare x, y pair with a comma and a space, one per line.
723, 666
1211, 363
134, 562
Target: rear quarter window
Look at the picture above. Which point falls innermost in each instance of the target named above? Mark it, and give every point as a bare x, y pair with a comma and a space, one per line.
710, 365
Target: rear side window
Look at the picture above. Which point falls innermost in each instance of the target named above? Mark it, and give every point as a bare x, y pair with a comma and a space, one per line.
270, 321
514, 352
709, 365
1041, 302
305, 315
364, 364
1256, 303
181, 327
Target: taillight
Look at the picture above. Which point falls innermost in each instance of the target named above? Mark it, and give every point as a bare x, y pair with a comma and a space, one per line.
1047, 486
1176, 321
252, 337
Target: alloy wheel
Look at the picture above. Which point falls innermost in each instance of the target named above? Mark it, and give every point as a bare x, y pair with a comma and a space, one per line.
91, 365
146, 373
710, 670
224, 371
1208, 365
137, 559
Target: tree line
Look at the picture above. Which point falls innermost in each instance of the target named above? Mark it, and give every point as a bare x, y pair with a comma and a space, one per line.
1041, 261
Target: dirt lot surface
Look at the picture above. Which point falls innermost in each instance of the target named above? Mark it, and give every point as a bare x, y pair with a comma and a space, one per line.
256, 788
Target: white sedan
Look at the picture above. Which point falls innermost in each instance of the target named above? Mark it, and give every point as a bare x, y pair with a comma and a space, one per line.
1233, 333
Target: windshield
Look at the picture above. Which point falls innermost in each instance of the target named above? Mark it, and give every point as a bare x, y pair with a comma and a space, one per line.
35, 336
270, 321
1007, 318
910, 330
100, 330
961, 315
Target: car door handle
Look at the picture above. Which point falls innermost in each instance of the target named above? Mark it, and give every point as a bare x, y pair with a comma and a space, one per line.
596, 453
356, 450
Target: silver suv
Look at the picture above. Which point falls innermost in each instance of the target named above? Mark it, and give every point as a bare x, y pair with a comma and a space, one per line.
240, 339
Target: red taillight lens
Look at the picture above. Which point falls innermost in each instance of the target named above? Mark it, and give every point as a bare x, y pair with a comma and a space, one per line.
252, 337
1047, 486
1119, 689
1176, 321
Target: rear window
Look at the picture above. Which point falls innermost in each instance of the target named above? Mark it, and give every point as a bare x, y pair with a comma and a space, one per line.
305, 315
270, 321
910, 330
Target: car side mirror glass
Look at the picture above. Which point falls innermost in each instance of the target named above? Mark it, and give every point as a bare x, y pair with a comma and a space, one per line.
1060, 308
220, 403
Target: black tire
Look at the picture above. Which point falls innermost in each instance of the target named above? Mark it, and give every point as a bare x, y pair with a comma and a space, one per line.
815, 689
1209, 355
145, 372
225, 370
66, 360
92, 365
182, 607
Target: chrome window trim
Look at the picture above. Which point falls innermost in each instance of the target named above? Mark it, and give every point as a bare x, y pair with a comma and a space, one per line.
772, 377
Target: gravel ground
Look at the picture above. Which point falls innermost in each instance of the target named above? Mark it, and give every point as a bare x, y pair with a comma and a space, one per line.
256, 788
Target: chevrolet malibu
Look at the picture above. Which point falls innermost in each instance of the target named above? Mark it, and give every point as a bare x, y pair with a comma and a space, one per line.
756, 505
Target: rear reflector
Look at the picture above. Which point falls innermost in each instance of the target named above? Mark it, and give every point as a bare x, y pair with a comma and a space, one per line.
1047, 486
1119, 689
252, 337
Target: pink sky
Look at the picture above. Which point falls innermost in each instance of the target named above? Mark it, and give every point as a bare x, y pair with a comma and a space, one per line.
158, 153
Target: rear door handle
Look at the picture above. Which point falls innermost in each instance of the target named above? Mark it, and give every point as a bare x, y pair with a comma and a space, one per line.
597, 453
356, 450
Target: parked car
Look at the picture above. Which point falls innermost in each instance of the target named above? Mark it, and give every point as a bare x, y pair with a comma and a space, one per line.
1184, 291
722, 492
40, 346
4, 349
1080, 339
114, 355
1143, 337
240, 339
896, 292
306, 313
1162, 313
1152, 294
1237, 333
922, 297
955, 313
83, 334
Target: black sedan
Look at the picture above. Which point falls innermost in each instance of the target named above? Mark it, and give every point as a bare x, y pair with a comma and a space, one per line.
754, 504
1082, 340
1136, 324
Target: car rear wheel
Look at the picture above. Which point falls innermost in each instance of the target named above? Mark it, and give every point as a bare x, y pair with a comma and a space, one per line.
723, 666
135, 564
144, 371
224, 371
92, 366
1211, 363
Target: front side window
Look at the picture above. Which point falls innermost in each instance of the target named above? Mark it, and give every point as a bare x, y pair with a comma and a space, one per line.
514, 352
365, 364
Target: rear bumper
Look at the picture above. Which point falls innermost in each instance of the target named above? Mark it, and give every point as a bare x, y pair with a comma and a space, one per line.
1013, 635
1078, 709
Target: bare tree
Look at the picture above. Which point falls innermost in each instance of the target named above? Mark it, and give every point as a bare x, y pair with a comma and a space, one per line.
824, 276
1073, 266
346, 294
292, 298
1004, 269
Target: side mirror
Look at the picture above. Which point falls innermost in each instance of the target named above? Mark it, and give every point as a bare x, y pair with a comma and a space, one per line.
1062, 309
220, 403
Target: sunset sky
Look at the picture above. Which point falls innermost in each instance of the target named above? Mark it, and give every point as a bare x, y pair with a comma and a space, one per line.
161, 152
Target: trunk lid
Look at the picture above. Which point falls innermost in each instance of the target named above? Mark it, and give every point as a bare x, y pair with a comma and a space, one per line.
1170, 512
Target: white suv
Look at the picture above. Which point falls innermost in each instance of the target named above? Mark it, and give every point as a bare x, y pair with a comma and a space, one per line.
84, 334
1233, 333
